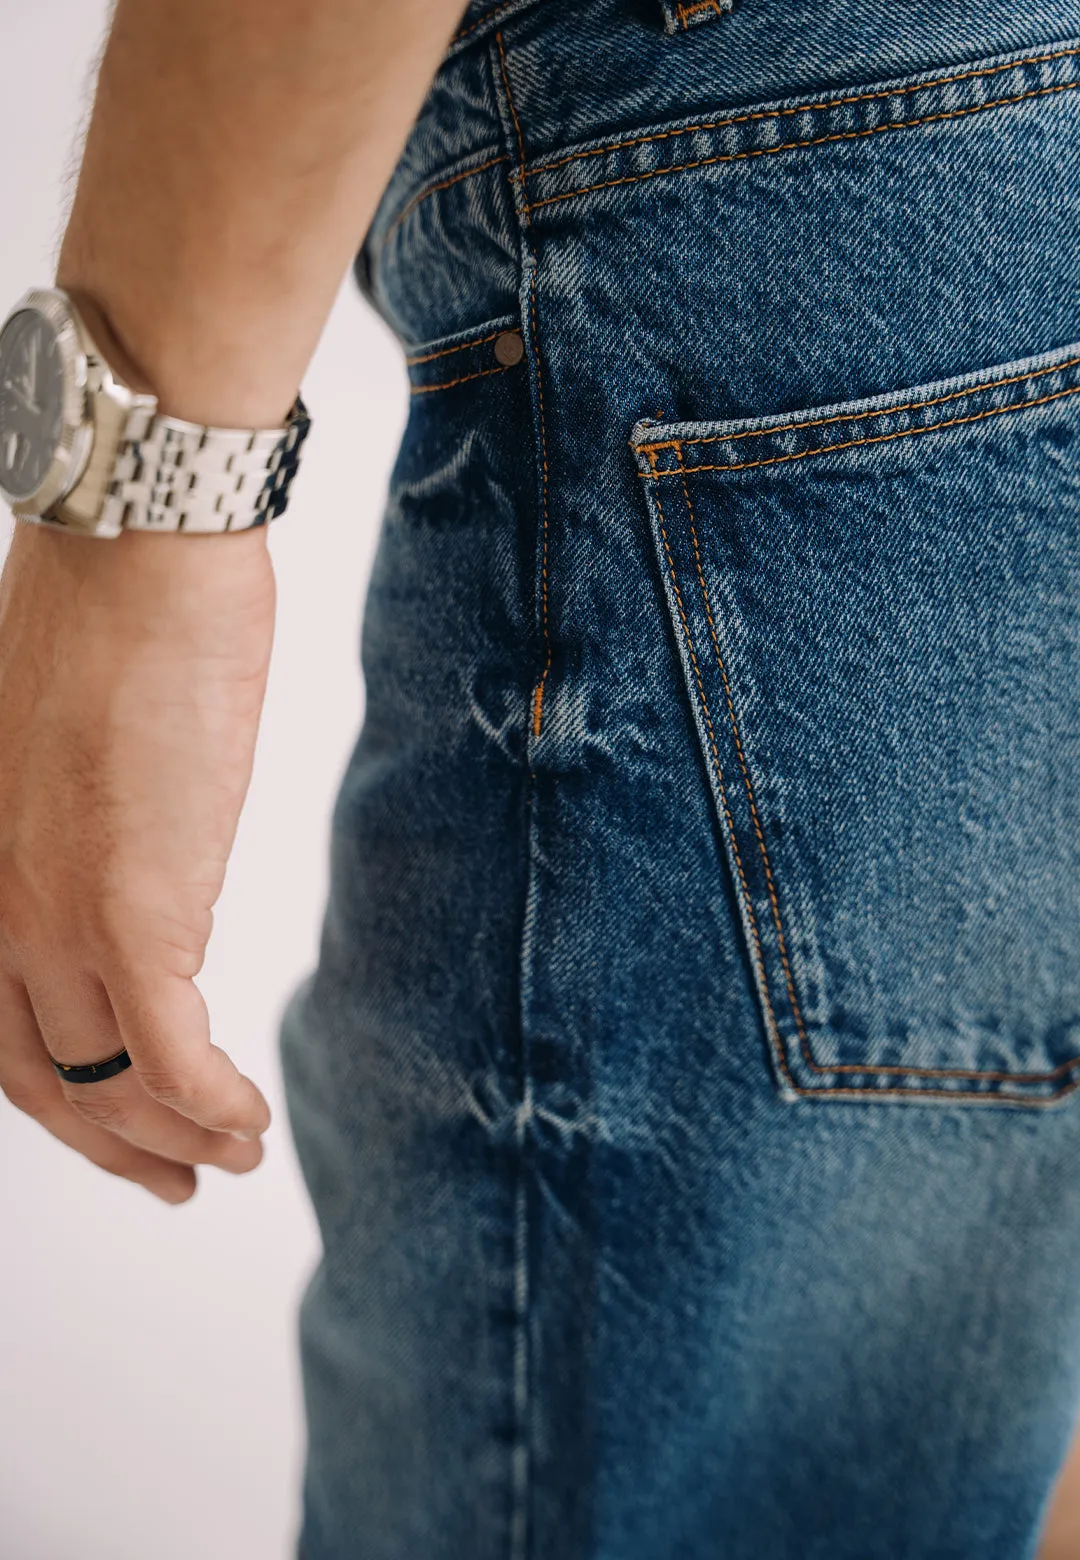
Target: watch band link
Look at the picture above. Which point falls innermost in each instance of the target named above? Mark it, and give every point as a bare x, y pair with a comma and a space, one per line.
172, 475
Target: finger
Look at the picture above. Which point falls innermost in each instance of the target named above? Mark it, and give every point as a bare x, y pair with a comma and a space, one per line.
172, 1182
77, 1025
122, 1106
163, 1022
28, 1079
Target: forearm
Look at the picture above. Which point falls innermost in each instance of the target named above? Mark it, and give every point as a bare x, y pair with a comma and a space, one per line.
235, 155
234, 158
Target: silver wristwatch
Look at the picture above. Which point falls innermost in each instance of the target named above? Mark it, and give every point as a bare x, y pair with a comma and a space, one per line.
82, 449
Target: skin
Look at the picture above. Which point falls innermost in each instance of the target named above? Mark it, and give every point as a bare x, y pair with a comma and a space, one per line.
1061, 1536
210, 231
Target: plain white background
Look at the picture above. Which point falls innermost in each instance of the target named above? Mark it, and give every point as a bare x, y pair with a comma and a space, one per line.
149, 1390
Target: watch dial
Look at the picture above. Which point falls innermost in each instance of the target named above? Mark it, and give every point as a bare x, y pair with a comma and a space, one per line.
31, 402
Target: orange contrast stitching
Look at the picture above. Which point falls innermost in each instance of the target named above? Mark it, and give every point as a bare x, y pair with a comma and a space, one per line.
957, 1096
418, 200
804, 108
879, 438
839, 1067
538, 696
789, 146
746, 781
481, 341
488, 16
461, 380
685, 12
774, 1033
514, 116
885, 411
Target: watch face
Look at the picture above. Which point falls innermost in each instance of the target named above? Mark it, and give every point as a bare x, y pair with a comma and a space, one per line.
31, 402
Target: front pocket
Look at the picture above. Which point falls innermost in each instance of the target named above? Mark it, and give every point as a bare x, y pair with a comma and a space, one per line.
877, 608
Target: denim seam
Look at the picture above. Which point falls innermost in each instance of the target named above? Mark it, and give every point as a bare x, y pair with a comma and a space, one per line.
747, 898
462, 379
776, 1039
878, 438
522, 1453
681, 15
863, 416
789, 146
462, 346
513, 112
489, 16
538, 695
433, 189
979, 73
686, 13
759, 832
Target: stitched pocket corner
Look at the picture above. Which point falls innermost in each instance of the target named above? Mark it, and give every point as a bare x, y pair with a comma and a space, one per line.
877, 608
681, 14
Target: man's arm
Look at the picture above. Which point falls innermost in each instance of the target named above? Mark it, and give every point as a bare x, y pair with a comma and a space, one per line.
234, 157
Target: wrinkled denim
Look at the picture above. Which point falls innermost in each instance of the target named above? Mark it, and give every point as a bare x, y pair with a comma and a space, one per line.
687, 1086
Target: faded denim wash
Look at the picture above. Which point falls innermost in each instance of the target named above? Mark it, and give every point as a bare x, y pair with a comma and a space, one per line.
686, 1089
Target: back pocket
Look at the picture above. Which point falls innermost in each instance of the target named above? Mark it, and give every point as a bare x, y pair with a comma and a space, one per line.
877, 608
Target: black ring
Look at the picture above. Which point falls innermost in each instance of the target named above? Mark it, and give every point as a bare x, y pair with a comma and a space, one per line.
92, 1072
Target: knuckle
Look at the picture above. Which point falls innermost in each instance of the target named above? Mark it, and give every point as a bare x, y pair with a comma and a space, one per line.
126, 930
173, 1086
110, 933
217, 1113
102, 1109
40, 925
213, 1110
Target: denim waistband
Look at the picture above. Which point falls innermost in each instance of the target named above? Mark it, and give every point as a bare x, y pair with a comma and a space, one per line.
677, 15
536, 95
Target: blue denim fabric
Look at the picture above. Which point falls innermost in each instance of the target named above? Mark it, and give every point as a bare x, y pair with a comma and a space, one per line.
686, 1087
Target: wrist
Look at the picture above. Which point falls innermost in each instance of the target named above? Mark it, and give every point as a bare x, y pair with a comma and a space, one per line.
207, 359
92, 449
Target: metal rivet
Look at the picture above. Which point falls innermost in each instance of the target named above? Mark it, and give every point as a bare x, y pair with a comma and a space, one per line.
509, 348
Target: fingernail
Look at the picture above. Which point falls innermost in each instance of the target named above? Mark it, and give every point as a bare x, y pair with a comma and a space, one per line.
247, 1137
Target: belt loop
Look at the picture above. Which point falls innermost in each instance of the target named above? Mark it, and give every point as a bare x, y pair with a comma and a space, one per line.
681, 14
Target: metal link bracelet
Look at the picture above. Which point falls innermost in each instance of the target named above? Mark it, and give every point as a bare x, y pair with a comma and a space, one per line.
172, 475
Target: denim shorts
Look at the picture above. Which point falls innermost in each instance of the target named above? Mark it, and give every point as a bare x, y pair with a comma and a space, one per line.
687, 1089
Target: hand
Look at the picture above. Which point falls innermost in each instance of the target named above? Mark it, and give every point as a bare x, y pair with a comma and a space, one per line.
132, 675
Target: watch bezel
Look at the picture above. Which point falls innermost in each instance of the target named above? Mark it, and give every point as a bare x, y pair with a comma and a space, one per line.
76, 434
